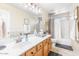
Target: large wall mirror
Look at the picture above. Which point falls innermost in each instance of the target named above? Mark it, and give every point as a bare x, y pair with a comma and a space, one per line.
31, 25
4, 23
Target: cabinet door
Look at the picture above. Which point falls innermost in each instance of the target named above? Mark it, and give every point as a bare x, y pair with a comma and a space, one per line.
39, 46
49, 44
46, 50
39, 53
31, 52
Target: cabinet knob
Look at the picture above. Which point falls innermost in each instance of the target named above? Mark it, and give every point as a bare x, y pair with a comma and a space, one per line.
31, 52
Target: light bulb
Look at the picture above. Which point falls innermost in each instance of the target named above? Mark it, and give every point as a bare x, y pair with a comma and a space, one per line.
26, 5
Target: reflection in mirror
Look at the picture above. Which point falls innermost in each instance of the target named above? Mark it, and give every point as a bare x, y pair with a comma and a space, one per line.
38, 26
4, 21
26, 26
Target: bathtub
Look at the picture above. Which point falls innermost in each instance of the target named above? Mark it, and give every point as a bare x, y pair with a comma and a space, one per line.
63, 41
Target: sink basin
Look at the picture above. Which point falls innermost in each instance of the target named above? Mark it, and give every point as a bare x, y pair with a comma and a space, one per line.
41, 35
2, 47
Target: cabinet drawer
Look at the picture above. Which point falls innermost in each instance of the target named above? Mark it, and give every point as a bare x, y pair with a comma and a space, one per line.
39, 46
31, 52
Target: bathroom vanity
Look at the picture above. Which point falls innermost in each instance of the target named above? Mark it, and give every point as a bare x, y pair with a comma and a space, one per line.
41, 49
35, 46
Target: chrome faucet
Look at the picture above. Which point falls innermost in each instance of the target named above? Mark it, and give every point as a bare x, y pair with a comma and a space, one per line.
19, 38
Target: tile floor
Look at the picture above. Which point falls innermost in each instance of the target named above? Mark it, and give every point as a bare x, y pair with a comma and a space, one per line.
53, 54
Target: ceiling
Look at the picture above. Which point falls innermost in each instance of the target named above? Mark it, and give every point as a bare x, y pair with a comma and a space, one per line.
56, 6
49, 7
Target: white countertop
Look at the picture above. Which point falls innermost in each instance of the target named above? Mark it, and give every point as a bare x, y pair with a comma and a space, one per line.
19, 48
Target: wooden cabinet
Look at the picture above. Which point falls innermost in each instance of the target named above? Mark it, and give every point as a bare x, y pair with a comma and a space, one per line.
45, 47
49, 44
39, 46
46, 50
44, 42
40, 49
39, 53
31, 52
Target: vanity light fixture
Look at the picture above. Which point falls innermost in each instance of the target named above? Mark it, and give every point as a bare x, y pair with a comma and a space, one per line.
33, 7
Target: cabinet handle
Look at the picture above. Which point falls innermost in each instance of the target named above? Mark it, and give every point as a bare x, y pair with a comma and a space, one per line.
31, 52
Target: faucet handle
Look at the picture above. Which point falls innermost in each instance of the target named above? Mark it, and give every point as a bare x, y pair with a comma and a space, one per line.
18, 39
